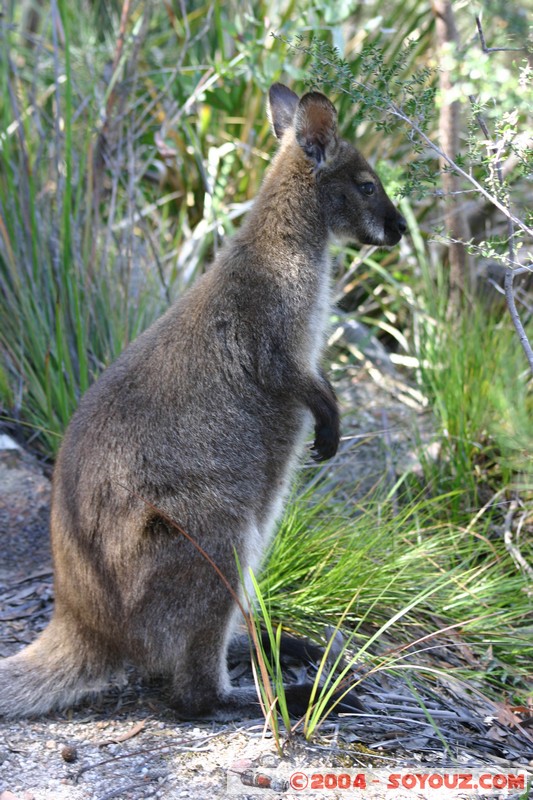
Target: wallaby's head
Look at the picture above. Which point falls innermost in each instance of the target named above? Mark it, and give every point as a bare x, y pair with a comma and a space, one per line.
355, 205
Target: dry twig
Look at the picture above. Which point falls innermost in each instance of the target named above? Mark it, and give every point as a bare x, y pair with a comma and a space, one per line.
511, 547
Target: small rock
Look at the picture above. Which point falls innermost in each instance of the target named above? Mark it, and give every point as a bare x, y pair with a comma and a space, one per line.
69, 753
7, 443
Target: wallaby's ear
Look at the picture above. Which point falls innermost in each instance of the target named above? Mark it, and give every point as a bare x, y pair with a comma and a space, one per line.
315, 124
282, 104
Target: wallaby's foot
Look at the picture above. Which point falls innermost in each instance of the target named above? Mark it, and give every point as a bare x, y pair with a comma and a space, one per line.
300, 651
243, 703
298, 697
240, 703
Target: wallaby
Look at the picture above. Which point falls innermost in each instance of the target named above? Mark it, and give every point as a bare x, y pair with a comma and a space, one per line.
201, 421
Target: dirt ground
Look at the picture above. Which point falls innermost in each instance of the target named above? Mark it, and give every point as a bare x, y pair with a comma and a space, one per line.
129, 745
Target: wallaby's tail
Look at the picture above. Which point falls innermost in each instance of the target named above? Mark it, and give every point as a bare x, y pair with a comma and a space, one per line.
54, 672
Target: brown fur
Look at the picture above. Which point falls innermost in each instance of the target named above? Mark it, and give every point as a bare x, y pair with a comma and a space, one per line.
203, 417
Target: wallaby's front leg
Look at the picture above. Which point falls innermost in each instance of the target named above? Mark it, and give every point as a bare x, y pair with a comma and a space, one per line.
320, 398
281, 377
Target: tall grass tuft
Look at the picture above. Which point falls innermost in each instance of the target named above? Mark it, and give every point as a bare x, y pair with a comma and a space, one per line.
389, 576
65, 266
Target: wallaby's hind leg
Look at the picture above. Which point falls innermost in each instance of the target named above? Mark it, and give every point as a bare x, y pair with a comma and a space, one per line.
194, 612
303, 653
201, 687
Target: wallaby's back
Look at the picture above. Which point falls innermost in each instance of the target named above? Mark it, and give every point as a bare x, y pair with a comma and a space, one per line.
201, 421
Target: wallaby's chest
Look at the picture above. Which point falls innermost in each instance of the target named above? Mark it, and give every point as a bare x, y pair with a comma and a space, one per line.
318, 318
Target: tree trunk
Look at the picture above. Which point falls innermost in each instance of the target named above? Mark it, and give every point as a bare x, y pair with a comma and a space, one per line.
455, 219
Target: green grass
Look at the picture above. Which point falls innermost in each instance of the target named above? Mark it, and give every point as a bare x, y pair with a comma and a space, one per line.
478, 384
66, 305
401, 586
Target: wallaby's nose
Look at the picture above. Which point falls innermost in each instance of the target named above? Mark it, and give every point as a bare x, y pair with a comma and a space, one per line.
401, 225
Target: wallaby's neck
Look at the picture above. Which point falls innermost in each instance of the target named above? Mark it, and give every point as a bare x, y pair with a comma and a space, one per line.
286, 217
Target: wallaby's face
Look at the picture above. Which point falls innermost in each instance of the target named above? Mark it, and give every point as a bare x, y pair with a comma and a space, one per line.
355, 205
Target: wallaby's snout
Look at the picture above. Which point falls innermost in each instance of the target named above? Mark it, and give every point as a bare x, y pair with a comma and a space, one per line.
401, 225
394, 228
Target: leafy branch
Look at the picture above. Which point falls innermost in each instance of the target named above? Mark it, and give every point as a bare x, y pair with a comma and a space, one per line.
346, 83
510, 272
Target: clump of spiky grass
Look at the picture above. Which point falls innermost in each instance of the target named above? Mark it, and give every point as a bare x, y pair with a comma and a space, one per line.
391, 582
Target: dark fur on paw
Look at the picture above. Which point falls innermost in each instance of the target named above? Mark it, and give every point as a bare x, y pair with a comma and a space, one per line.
326, 443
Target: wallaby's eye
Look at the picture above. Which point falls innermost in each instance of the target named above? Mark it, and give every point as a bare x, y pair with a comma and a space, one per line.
368, 188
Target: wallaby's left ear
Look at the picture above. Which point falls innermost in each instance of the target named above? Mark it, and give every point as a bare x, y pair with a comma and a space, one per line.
315, 125
282, 105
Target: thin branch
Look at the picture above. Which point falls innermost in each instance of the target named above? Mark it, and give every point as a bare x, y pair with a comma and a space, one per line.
397, 112
496, 286
510, 273
517, 267
492, 49
517, 322
510, 546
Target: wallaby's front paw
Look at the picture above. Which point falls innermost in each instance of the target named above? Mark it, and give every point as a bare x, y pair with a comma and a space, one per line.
326, 442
